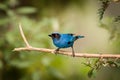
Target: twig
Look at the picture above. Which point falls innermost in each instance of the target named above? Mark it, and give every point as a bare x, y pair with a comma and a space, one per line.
23, 36
85, 55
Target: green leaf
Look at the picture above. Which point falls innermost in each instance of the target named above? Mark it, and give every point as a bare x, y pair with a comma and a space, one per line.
3, 6
55, 73
20, 64
117, 19
26, 10
112, 64
4, 21
36, 75
90, 73
1, 64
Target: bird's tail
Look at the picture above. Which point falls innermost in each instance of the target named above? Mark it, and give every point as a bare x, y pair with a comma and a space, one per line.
77, 37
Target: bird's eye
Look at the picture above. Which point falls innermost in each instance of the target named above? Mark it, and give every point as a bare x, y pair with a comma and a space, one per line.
57, 36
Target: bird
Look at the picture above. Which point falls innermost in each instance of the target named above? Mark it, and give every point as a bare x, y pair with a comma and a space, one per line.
64, 40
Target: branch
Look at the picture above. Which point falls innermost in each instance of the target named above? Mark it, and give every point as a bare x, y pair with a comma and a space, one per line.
51, 51
23, 36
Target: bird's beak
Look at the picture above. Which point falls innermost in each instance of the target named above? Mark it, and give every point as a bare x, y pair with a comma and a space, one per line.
50, 35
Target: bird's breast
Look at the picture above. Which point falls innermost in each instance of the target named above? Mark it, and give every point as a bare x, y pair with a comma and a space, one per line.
63, 43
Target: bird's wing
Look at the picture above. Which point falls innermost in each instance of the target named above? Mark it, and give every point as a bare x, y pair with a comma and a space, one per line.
71, 34
66, 37
73, 37
70, 37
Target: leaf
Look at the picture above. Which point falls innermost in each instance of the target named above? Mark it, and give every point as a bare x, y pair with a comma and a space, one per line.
103, 7
112, 64
1, 64
4, 21
23, 64
3, 6
117, 19
36, 75
90, 73
26, 10
55, 73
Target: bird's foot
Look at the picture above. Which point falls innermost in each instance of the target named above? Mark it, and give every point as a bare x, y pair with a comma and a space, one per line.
55, 51
73, 55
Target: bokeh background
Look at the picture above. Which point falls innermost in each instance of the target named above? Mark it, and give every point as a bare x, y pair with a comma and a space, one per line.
42, 17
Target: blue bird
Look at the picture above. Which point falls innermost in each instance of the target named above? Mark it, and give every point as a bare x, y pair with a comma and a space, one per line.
64, 40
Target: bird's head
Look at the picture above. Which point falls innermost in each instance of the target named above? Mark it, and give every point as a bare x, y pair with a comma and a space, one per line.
55, 36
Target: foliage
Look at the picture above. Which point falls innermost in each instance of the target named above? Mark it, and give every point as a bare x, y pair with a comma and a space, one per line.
111, 24
20, 64
28, 65
97, 64
103, 7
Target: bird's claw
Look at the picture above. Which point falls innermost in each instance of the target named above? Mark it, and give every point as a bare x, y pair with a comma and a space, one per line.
73, 55
55, 51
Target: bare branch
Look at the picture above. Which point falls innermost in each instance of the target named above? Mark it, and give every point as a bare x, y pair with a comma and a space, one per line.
85, 55
23, 36
51, 51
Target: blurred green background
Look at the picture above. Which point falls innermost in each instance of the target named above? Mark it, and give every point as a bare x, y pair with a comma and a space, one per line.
42, 17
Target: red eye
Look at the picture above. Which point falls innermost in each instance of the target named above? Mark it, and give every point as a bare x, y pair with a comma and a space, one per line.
57, 36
